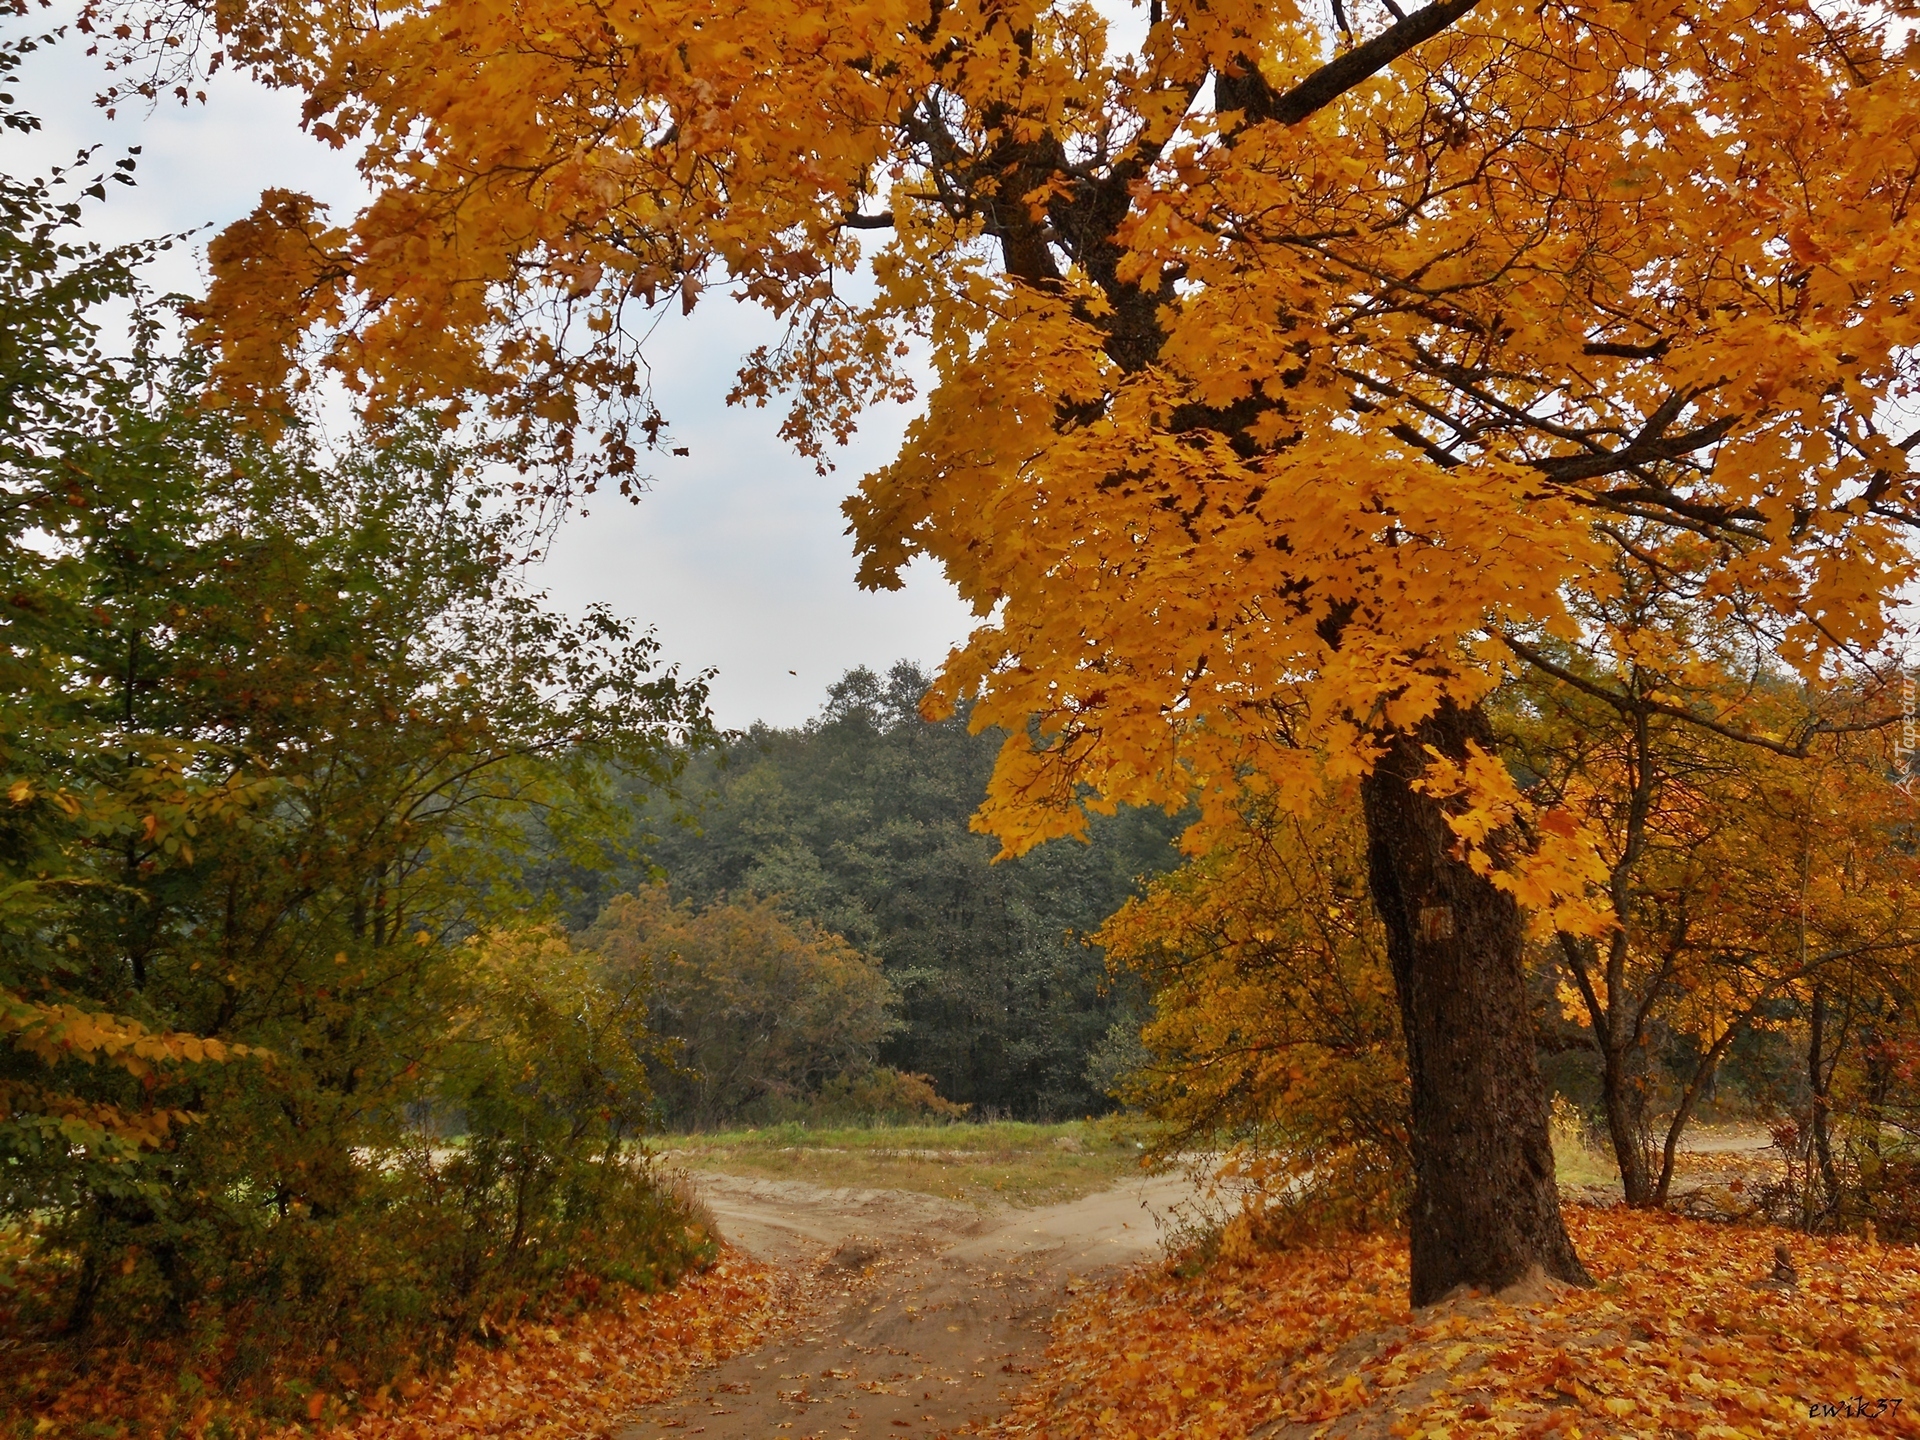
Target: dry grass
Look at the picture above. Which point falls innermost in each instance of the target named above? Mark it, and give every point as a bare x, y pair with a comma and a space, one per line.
1003, 1162
1583, 1171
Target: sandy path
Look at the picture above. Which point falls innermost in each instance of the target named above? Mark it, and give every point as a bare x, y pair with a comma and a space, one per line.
1725, 1140
928, 1314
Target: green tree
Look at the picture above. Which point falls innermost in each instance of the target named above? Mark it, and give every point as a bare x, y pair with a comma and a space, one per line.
282, 729
757, 1006
860, 823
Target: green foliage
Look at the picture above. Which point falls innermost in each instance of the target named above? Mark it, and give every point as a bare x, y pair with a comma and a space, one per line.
544, 1073
765, 1012
859, 822
282, 733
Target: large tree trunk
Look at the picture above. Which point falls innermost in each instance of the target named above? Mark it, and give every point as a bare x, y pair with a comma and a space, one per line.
1485, 1207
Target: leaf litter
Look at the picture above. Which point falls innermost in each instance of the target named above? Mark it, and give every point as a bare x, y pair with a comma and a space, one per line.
1686, 1334
573, 1378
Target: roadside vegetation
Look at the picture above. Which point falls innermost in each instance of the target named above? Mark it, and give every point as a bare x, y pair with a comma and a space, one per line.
289, 751
1002, 1162
566, 1374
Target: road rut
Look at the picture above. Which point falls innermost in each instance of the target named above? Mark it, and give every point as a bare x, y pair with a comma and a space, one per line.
924, 1316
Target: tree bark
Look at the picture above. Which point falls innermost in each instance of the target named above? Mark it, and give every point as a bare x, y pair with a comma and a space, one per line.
1485, 1207
1625, 1097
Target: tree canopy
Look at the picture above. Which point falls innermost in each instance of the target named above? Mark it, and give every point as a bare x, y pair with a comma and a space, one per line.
1308, 362
1294, 378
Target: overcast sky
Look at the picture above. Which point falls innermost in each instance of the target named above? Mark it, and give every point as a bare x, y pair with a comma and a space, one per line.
736, 557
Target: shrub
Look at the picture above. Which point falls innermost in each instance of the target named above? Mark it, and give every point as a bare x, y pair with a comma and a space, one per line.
1275, 1034
534, 1205
278, 726
878, 1096
763, 1010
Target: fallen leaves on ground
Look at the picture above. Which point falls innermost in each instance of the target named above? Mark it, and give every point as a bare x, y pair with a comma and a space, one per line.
572, 1377
1683, 1336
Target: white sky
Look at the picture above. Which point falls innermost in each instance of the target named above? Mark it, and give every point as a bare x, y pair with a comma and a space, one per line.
736, 557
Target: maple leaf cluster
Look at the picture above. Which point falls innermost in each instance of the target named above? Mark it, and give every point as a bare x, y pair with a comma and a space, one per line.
542, 1378
1686, 1334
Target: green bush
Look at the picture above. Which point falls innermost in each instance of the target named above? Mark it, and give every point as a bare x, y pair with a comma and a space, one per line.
281, 733
763, 1012
876, 1096
536, 1205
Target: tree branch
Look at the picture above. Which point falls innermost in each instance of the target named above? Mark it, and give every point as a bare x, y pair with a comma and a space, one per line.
1650, 445
1643, 705
1249, 93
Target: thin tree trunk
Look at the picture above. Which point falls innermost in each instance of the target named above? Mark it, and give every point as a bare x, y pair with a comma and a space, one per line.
1820, 1068
1485, 1209
1623, 1092
1880, 1076
137, 943
1689, 1098
1625, 1098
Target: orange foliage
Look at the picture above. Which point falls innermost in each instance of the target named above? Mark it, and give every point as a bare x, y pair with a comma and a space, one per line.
55, 1032
1283, 381
1274, 1027
536, 1379
1678, 1339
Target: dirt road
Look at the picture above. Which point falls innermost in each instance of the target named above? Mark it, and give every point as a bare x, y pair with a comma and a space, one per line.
925, 1315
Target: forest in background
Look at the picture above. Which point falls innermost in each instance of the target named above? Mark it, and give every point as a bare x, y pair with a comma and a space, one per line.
1765, 973
858, 823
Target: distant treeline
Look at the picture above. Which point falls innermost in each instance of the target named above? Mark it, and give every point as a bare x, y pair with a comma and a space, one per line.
858, 823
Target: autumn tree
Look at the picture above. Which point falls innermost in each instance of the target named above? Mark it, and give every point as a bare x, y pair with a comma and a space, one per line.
55, 382
1746, 821
1289, 377
1861, 1141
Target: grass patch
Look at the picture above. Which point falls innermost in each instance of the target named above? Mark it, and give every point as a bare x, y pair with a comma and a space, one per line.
1578, 1166
1582, 1168
998, 1162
